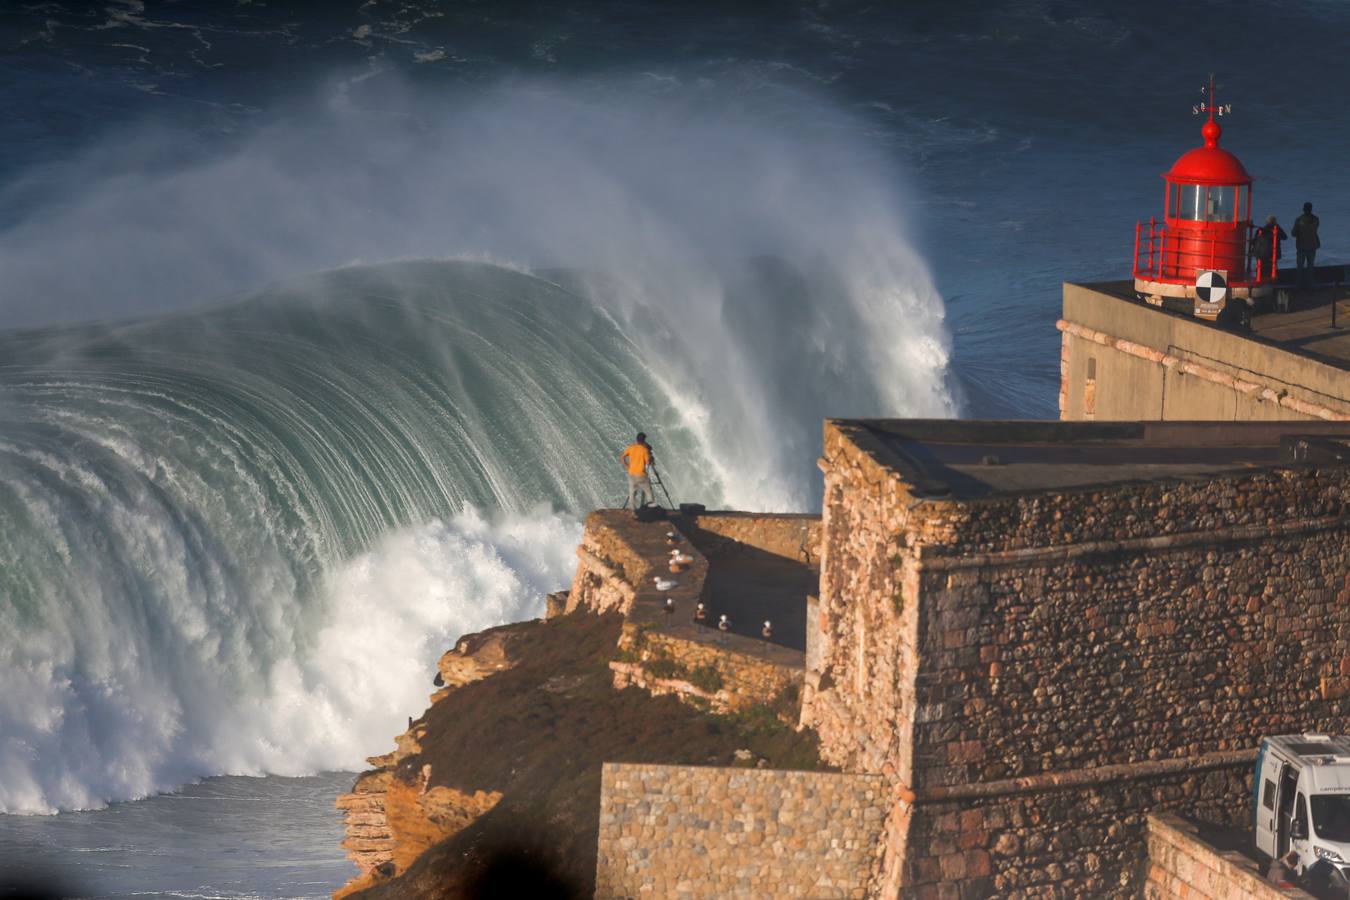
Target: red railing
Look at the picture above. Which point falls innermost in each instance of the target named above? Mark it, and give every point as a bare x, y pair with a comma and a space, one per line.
1161, 254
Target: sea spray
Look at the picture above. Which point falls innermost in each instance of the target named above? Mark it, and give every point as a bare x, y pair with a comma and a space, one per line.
178, 493
764, 271
180, 489
83, 728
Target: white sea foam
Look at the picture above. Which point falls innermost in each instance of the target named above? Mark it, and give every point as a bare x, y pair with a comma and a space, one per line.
82, 727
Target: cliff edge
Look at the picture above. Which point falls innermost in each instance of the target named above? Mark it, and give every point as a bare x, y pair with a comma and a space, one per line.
496, 788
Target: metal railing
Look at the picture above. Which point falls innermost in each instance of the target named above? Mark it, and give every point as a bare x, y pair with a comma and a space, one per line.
1163, 254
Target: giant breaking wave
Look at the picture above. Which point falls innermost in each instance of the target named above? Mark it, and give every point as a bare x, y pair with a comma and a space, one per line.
236, 538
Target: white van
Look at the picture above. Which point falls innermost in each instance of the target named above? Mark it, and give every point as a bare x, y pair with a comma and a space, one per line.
1301, 799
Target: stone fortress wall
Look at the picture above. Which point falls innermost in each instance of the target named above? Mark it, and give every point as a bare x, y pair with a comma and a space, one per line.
709, 832
706, 832
1029, 673
1035, 671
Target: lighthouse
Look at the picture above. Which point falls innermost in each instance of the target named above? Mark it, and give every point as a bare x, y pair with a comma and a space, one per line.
1198, 258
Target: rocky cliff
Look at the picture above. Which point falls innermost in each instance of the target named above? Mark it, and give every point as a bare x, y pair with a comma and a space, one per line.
495, 789
391, 821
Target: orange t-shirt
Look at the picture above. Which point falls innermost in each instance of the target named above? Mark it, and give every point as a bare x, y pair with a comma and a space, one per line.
638, 459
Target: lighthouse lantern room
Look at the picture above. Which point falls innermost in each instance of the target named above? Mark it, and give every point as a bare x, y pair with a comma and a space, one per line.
1198, 259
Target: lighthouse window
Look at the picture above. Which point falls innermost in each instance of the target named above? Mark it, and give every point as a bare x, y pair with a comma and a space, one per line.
1206, 204
1221, 200
1192, 205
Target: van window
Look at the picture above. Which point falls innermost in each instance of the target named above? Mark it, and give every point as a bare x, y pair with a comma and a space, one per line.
1331, 817
1300, 815
1268, 794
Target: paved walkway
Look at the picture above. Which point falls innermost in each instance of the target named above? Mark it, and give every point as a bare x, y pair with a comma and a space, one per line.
1307, 327
745, 583
750, 586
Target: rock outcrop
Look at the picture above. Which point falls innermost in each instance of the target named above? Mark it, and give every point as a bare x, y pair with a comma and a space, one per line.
369, 842
392, 816
501, 776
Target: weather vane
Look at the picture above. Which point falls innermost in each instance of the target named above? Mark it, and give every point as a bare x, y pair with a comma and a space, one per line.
1209, 104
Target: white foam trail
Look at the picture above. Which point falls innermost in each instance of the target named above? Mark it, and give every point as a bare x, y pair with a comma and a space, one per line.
80, 732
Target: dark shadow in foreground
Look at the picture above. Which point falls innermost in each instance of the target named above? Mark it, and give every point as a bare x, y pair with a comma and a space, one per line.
519, 869
37, 887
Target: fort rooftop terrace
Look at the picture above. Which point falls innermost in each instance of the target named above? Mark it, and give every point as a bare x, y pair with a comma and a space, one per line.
970, 459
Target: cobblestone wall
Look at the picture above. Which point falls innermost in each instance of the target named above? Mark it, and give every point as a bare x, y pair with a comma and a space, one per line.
861, 700
695, 832
1082, 656
1076, 840
1182, 864
1039, 635
611, 571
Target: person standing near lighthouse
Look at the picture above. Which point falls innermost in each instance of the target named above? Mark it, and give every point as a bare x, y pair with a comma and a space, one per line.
1266, 247
1306, 243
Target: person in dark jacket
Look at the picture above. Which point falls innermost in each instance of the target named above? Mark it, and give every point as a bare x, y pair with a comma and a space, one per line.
1266, 247
1306, 243
1322, 879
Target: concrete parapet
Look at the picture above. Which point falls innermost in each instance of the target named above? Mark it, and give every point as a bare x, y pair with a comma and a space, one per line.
1181, 863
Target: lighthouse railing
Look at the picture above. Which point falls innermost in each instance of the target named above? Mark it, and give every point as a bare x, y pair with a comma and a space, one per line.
1177, 255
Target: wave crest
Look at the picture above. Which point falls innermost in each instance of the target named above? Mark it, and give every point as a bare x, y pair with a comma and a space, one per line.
183, 491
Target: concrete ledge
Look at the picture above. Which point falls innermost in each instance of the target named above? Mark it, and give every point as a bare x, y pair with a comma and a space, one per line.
1251, 389
1122, 359
1182, 864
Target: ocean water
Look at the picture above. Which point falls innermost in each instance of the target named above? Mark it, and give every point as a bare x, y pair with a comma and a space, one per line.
320, 325
226, 837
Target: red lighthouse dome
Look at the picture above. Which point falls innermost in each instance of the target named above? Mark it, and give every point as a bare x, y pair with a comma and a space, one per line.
1210, 164
1197, 258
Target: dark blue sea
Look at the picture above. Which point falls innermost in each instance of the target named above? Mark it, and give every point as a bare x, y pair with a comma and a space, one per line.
321, 325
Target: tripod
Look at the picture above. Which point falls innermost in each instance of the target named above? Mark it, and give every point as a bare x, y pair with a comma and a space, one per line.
656, 476
656, 479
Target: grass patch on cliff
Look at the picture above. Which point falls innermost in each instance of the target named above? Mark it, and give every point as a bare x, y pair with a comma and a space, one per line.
706, 679
543, 749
